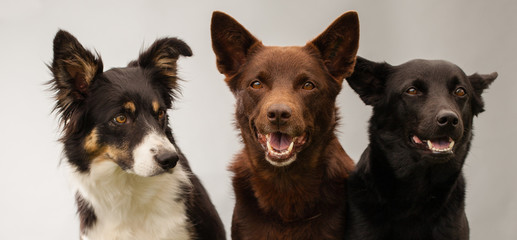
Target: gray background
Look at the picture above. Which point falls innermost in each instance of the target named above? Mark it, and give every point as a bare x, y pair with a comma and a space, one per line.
36, 200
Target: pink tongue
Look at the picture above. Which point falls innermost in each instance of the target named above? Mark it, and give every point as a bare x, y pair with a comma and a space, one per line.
280, 141
441, 143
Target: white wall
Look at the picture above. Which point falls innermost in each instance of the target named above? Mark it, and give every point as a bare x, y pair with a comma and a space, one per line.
36, 201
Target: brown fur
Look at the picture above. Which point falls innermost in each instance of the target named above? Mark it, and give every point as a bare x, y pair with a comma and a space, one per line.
131, 106
304, 199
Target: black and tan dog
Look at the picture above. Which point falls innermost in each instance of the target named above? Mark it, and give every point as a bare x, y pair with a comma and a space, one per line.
409, 183
132, 180
290, 178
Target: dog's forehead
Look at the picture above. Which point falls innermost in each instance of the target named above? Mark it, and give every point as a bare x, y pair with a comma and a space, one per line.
128, 84
428, 70
126, 75
284, 60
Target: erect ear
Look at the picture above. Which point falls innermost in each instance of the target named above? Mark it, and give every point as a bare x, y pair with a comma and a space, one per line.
231, 43
338, 45
368, 80
74, 68
479, 83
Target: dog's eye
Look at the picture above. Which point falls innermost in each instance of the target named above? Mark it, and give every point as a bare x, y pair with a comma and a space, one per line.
120, 119
412, 91
308, 86
161, 114
460, 92
256, 85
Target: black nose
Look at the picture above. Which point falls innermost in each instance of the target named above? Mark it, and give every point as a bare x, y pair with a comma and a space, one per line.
166, 159
278, 113
447, 118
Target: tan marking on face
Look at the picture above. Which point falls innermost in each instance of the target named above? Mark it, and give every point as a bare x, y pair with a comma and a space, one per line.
111, 153
130, 106
90, 142
156, 106
95, 151
100, 153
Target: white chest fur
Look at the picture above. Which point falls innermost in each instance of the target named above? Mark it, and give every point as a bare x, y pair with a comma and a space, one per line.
128, 206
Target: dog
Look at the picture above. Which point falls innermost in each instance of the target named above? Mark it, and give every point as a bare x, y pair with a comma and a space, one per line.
290, 177
132, 180
408, 183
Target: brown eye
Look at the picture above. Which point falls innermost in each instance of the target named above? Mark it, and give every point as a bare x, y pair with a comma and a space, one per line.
256, 85
120, 119
460, 92
161, 114
308, 86
412, 91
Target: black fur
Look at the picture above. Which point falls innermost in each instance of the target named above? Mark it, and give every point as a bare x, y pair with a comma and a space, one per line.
401, 189
89, 99
85, 211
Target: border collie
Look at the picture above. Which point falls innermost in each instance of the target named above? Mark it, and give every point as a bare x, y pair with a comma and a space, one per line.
132, 180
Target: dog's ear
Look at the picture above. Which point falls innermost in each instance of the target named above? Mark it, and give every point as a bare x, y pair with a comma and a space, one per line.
368, 80
162, 56
338, 45
231, 43
479, 83
74, 69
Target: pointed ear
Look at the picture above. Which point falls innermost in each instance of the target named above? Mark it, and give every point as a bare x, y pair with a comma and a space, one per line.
74, 68
368, 80
338, 45
479, 83
231, 43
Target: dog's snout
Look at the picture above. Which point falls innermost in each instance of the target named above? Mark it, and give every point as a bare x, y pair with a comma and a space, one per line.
447, 118
279, 113
166, 159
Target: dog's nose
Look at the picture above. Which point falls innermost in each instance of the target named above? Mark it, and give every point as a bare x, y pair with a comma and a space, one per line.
447, 118
278, 113
166, 159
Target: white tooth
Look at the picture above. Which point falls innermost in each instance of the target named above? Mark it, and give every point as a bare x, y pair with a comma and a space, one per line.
290, 147
269, 148
430, 145
451, 144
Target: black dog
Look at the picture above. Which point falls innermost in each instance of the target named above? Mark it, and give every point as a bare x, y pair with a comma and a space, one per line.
409, 183
132, 180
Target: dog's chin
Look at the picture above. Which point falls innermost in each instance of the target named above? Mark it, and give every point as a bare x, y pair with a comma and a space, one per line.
281, 148
151, 173
148, 171
437, 150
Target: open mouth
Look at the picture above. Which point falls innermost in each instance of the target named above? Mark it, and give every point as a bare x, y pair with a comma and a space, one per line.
439, 145
281, 148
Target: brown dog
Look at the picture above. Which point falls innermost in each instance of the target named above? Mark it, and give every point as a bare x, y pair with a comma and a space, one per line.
290, 177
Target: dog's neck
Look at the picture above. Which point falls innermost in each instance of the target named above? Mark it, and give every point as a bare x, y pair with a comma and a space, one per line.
411, 180
121, 201
296, 192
